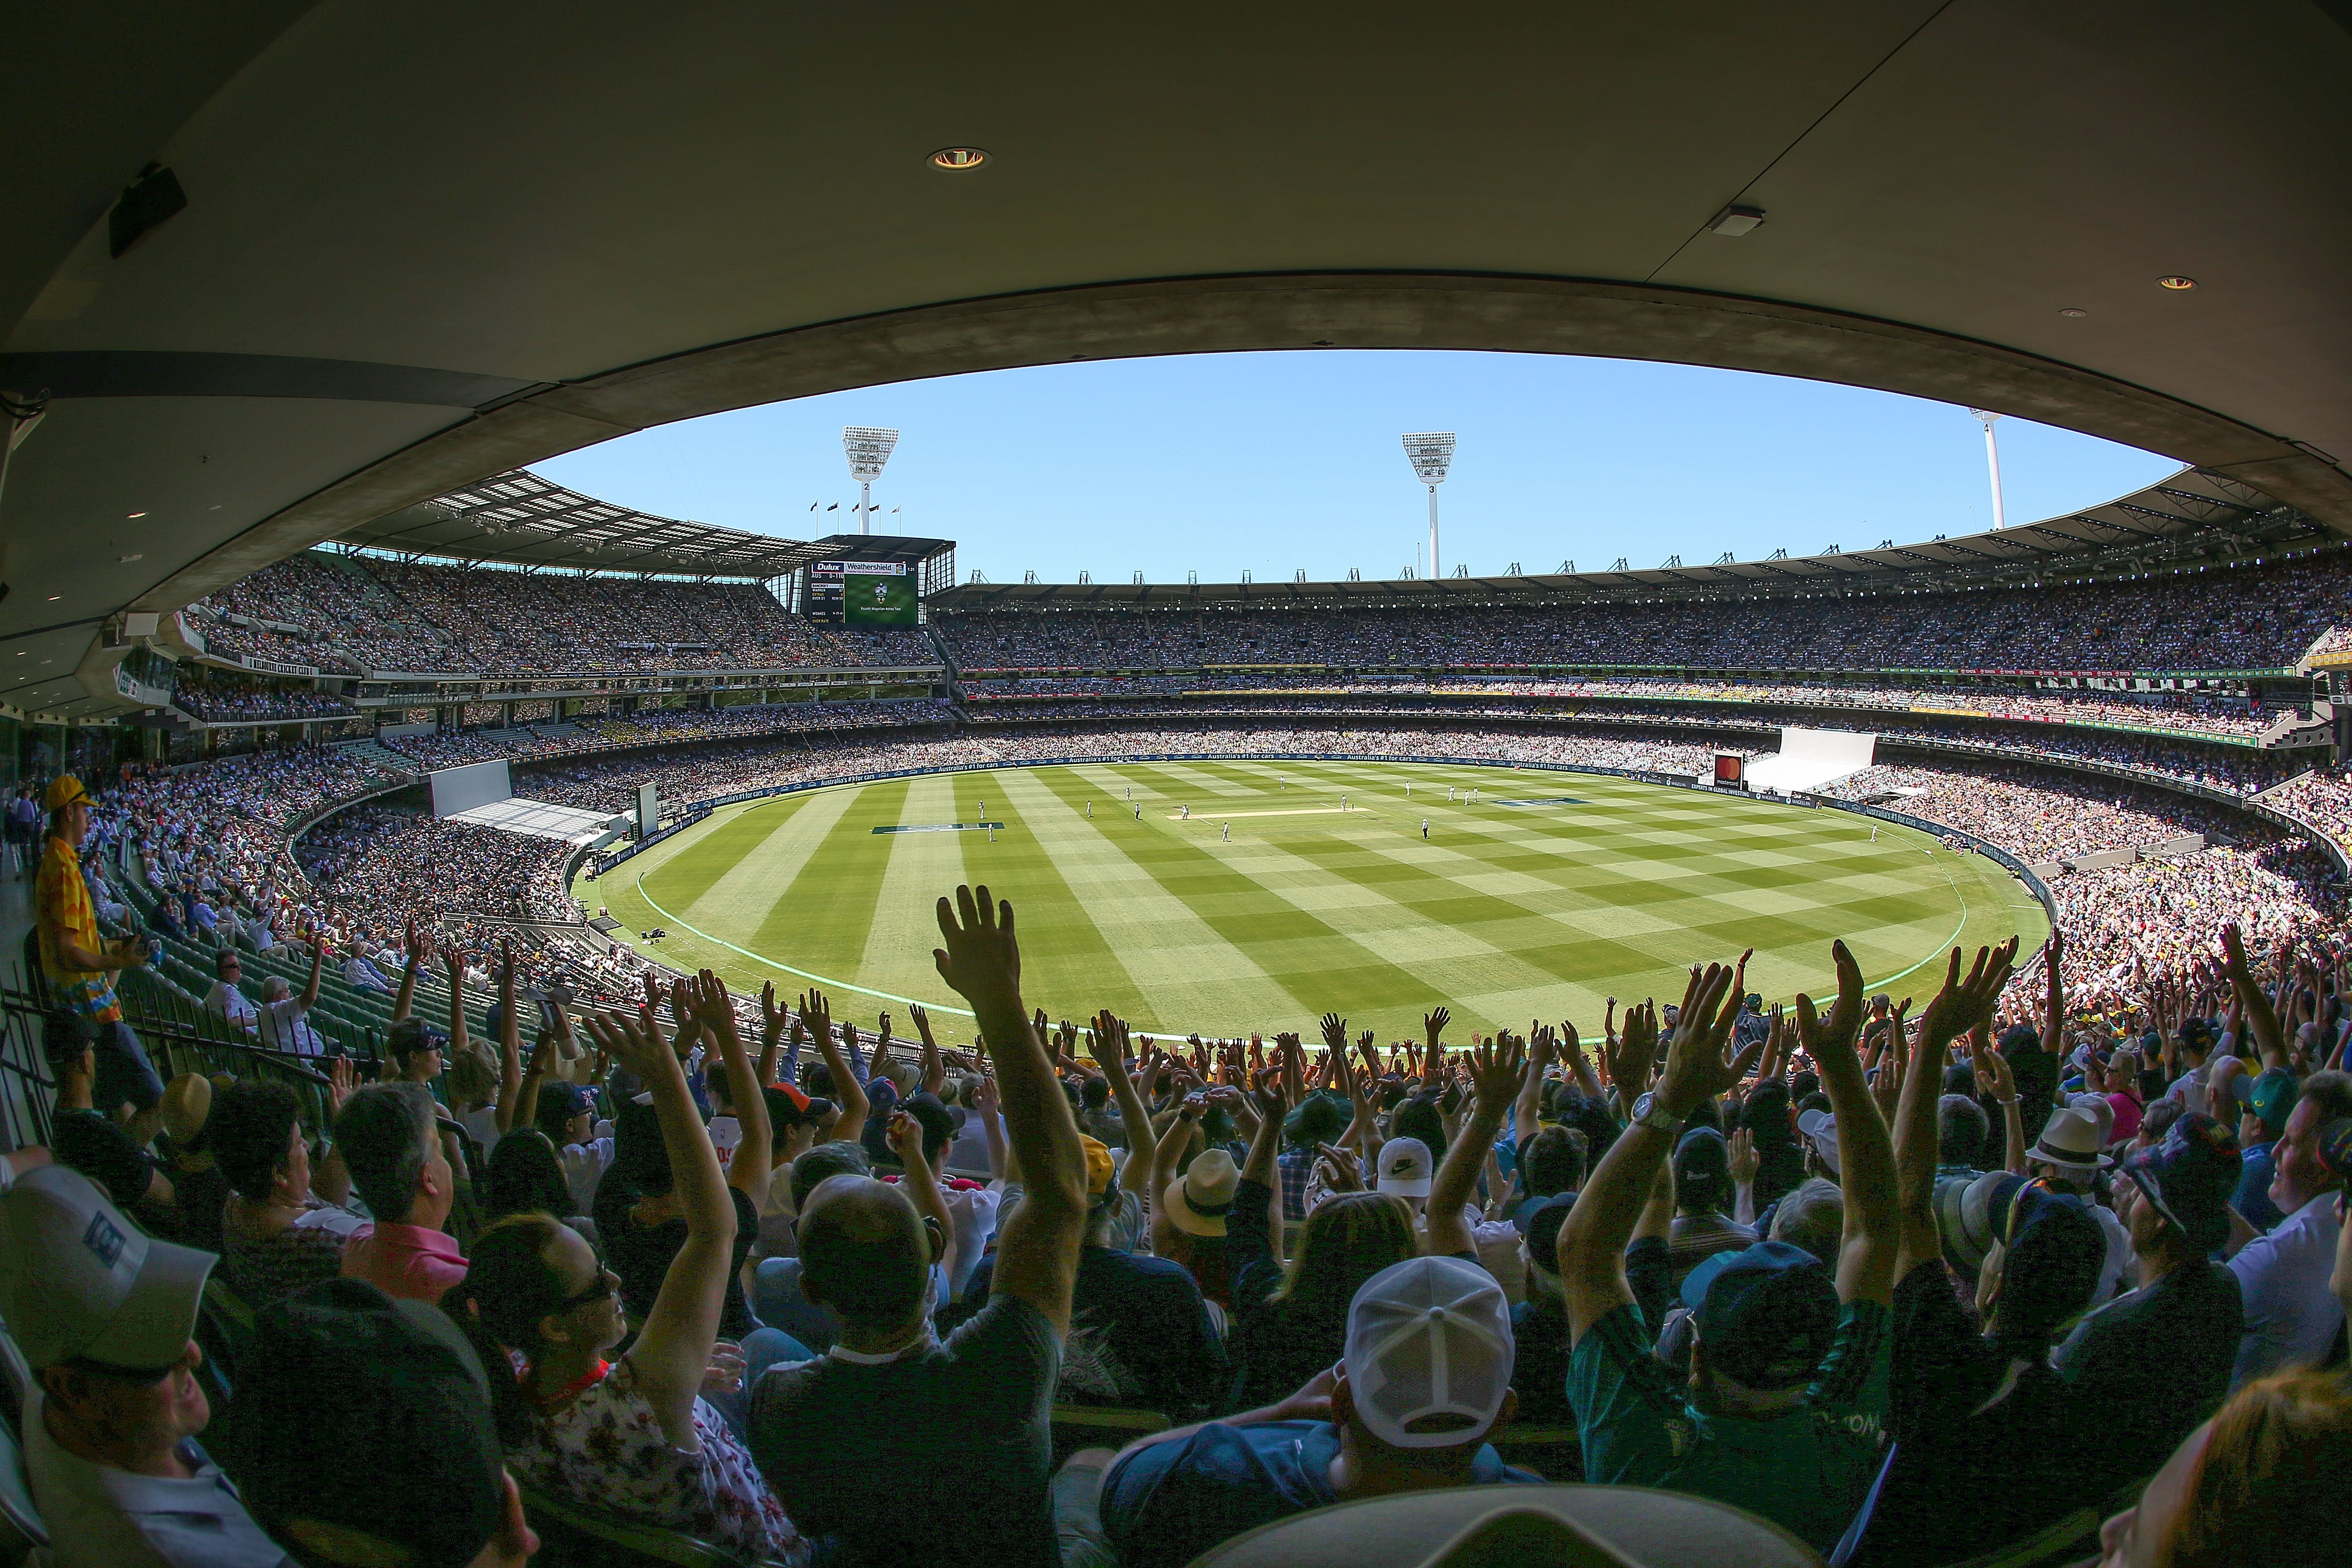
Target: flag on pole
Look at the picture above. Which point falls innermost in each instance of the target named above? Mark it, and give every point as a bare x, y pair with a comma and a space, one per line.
835, 507
812, 506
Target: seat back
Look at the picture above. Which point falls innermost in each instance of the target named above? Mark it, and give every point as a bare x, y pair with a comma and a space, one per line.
21, 1516
579, 1536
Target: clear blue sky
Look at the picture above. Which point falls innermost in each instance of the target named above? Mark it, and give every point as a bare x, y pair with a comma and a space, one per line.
1273, 462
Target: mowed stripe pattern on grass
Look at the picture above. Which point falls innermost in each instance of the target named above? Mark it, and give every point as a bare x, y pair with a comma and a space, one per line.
1504, 914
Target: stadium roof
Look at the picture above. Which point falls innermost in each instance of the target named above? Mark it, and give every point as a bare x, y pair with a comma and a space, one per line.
519, 519
2190, 517
347, 299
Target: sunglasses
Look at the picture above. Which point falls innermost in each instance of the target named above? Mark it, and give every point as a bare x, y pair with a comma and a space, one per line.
607, 1284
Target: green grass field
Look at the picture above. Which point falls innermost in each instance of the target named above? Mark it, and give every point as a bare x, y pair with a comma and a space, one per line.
1508, 912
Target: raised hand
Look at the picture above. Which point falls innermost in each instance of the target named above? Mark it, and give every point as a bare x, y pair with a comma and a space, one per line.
1495, 1071
1633, 1052
1962, 1004
1335, 1032
1745, 1161
922, 1022
637, 1044
1341, 1171
1839, 1031
817, 1013
1994, 1080
1107, 1043
1697, 1068
770, 1020
905, 1135
342, 1082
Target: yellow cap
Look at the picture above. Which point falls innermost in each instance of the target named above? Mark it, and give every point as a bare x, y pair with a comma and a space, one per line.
1099, 1169
64, 790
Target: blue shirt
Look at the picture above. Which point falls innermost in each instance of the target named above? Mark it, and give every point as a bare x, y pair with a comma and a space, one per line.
1166, 1503
2253, 1198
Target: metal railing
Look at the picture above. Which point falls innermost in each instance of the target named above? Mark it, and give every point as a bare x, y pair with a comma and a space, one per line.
175, 1044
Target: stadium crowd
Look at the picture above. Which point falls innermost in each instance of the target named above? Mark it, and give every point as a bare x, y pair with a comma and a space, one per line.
657, 726
2244, 617
218, 697
2087, 1236
358, 613
2186, 713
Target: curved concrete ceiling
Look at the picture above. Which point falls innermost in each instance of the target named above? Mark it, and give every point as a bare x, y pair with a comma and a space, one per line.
429, 241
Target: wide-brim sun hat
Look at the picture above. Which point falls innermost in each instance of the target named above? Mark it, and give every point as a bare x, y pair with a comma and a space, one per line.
1197, 1202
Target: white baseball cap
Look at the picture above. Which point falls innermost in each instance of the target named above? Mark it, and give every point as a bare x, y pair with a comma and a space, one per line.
76, 1279
1819, 1127
1429, 1339
1405, 1168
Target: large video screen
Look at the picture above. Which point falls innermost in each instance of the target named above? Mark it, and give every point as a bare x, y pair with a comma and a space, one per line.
863, 594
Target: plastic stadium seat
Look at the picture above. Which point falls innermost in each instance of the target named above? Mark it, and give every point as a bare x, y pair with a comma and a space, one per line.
577, 1536
21, 1527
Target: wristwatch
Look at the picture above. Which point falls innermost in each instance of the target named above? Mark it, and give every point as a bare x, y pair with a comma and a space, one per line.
1649, 1112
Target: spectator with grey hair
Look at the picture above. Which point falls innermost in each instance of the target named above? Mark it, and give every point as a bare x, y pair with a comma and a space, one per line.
389, 1139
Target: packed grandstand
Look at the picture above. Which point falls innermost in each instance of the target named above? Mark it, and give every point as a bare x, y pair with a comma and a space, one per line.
2154, 758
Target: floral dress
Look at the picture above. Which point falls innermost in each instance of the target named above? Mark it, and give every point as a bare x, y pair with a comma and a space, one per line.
606, 1449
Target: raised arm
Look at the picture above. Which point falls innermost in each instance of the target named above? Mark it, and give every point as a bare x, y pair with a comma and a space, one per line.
1494, 1072
460, 1040
2262, 1017
771, 1034
534, 1074
904, 1136
935, 1071
1108, 1042
1959, 1007
1037, 1248
510, 1042
2054, 1011
1165, 1158
1525, 1118
748, 1170
818, 1012
1872, 1232
1593, 1242
318, 961
670, 1355
418, 957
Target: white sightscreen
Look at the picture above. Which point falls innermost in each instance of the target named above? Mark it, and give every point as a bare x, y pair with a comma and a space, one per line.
462, 789
1809, 759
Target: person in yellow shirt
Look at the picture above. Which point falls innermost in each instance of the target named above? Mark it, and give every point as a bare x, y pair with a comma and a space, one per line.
80, 964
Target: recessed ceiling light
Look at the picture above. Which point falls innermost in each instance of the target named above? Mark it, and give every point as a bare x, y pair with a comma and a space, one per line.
54, 597
132, 556
2072, 313
1735, 221
2177, 281
958, 158
134, 514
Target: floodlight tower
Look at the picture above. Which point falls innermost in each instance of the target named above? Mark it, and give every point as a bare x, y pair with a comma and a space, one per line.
1992, 461
868, 450
1431, 454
